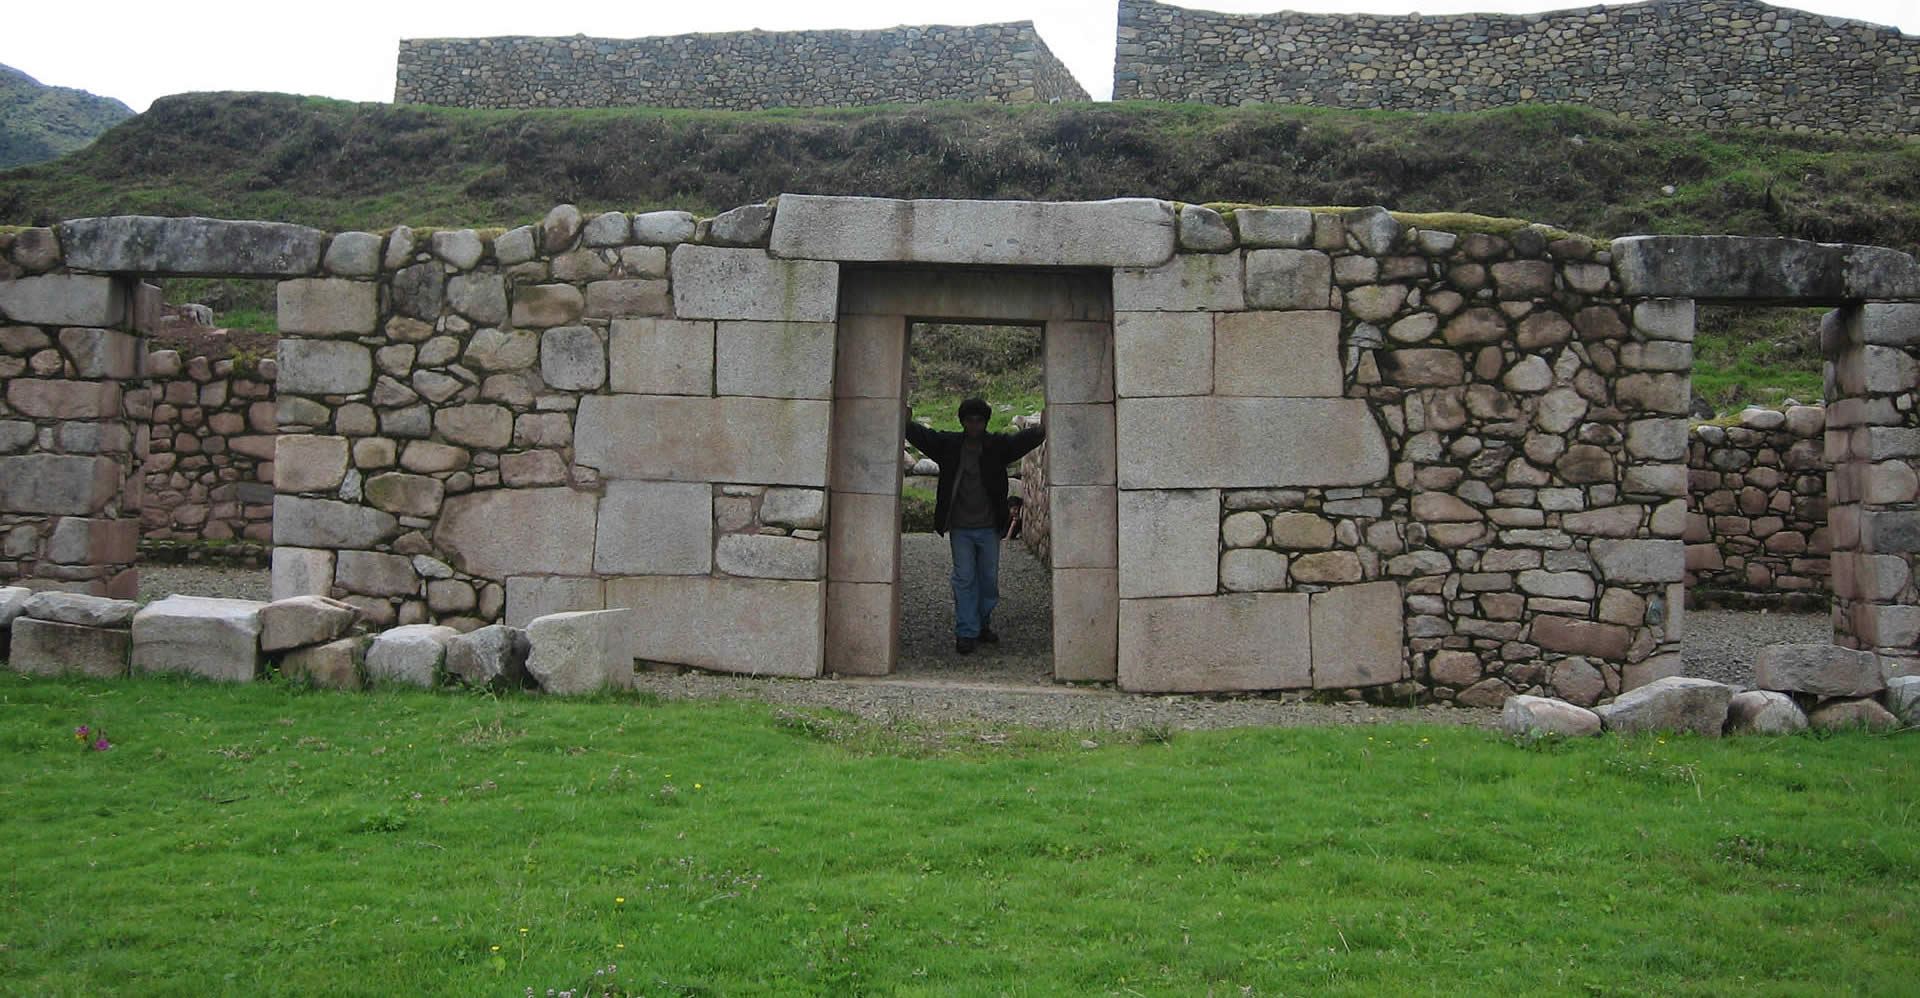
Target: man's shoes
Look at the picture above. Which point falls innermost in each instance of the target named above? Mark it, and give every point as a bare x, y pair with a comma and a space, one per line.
963, 645
988, 637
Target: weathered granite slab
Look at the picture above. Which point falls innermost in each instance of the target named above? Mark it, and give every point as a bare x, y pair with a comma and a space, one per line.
213, 247
1124, 232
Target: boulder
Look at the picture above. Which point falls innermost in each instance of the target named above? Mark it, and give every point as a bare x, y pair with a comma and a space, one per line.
580, 652
304, 620
1839, 715
1902, 699
78, 609
411, 654
1530, 717
13, 600
1764, 712
1820, 669
332, 666
1675, 703
204, 636
495, 655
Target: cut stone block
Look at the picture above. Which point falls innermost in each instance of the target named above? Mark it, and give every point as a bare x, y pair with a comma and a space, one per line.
1356, 632
13, 600
101, 353
61, 484
51, 648
64, 300
1169, 542
309, 463
1640, 560
1214, 644
800, 508
56, 398
1125, 232
1903, 698
580, 652
1086, 624
301, 572
1277, 354
203, 636
863, 628
371, 573
1820, 669
863, 538
327, 307
412, 654
304, 620
504, 532
1764, 712
493, 656
1247, 443
323, 367
1205, 282
1761, 269
79, 609
867, 443
1080, 445
769, 556
1286, 279
1531, 717
1673, 703
712, 282
791, 360
1079, 362
980, 295
331, 666
661, 356
210, 247
731, 439
536, 596
1084, 522
753, 626
327, 523
870, 356
1840, 715
572, 358
1163, 353
655, 528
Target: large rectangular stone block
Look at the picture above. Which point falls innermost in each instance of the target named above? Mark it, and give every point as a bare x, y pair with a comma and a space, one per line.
1287, 278
301, 571
956, 295
661, 356
867, 445
1125, 232
787, 360
1080, 445
211, 247
323, 367
500, 532
370, 573
581, 651
1755, 268
870, 356
55, 398
1277, 354
327, 523
202, 636
712, 282
753, 626
1356, 633
46, 648
1240, 443
327, 307
1086, 624
690, 439
655, 528
1640, 560
63, 484
101, 353
1079, 362
531, 596
1169, 542
1162, 353
1190, 282
1084, 521
863, 537
863, 628
64, 300
1215, 644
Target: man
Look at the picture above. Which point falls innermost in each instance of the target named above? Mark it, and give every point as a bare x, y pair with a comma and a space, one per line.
971, 509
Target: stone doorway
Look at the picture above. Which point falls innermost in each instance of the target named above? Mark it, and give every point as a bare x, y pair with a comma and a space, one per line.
877, 307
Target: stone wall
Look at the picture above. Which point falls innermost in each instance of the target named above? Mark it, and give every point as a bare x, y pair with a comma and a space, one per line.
1694, 63
69, 351
739, 71
209, 468
1757, 503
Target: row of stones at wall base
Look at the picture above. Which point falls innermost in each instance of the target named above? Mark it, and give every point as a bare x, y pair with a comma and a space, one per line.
1709, 709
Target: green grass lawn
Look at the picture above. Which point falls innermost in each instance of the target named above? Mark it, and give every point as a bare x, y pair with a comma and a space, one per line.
262, 840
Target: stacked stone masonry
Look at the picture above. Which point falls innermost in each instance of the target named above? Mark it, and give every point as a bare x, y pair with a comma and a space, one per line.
1693, 63
1757, 503
738, 71
1288, 448
209, 467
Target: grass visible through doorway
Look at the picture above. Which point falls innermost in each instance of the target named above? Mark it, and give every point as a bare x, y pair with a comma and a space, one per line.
257, 840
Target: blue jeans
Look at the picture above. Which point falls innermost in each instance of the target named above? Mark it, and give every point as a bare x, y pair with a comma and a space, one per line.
976, 578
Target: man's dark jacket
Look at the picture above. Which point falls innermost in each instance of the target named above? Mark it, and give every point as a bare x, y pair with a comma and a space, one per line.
997, 450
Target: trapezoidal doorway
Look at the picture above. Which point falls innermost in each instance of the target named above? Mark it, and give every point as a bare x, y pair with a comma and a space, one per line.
877, 307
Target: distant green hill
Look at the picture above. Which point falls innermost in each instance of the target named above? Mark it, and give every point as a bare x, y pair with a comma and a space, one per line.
39, 123
342, 165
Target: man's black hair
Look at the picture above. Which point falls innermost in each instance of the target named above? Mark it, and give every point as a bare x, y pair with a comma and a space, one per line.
975, 407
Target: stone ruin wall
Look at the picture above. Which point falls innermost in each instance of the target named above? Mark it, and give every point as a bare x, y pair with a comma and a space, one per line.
738, 71
1692, 63
1341, 449
1757, 505
208, 473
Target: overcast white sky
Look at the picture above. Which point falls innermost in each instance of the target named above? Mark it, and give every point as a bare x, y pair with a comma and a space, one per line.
346, 48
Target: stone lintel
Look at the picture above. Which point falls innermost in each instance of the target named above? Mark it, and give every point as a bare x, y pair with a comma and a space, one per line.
210, 247
1760, 269
1123, 232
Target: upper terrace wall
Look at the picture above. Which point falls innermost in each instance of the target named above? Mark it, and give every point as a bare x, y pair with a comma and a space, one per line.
1695, 63
738, 71
1288, 448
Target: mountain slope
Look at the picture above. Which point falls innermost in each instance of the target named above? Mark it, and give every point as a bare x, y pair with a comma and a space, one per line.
39, 122
342, 165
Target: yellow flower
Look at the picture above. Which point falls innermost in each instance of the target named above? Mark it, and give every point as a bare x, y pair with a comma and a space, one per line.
523, 930
496, 949
619, 945
619, 900
696, 786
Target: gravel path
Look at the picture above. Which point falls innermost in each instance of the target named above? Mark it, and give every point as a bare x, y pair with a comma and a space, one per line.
1011, 686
